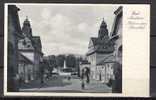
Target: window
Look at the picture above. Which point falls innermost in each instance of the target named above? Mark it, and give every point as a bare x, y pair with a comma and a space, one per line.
24, 42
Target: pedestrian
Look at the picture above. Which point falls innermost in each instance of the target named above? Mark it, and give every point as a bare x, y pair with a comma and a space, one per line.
42, 82
87, 73
20, 81
69, 78
82, 84
82, 79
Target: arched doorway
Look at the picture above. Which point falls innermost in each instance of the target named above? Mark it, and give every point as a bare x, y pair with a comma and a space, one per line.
86, 74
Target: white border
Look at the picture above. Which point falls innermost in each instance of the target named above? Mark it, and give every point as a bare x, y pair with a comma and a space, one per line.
52, 93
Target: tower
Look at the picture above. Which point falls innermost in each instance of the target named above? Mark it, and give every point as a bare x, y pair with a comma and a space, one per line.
26, 29
103, 31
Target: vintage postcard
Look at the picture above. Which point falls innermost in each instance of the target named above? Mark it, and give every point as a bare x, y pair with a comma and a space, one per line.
92, 50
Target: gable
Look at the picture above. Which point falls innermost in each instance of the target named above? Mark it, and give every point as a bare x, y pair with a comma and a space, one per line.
28, 55
25, 44
90, 43
25, 59
93, 41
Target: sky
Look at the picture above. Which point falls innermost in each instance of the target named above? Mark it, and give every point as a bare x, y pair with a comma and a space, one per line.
66, 29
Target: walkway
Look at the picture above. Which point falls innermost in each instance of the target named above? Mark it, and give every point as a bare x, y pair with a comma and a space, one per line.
60, 84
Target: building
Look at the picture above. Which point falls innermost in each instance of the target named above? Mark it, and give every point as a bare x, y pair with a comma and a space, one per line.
116, 36
99, 49
30, 47
38, 55
14, 34
26, 49
105, 51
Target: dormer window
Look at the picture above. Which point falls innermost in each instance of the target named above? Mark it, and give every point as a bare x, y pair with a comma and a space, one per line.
24, 42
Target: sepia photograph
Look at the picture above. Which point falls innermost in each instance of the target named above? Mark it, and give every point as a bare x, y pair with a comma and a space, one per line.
64, 48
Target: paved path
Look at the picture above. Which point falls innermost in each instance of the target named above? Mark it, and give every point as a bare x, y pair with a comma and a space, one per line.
59, 84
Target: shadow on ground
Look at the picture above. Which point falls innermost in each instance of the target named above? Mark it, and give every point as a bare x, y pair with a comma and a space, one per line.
51, 82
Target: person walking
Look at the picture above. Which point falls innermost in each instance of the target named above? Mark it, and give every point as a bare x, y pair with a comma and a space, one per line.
82, 79
83, 84
87, 73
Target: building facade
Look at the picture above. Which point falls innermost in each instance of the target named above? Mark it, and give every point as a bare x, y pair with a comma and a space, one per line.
30, 47
116, 36
14, 34
99, 49
105, 70
25, 69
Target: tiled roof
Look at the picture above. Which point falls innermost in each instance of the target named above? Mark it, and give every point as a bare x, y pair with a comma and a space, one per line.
36, 40
108, 59
101, 46
37, 43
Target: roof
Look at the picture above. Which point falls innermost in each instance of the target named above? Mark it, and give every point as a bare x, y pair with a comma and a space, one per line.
13, 13
36, 40
108, 59
118, 14
101, 46
94, 40
37, 43
13, 8
118, 11
102, 43
84, 62
114, 37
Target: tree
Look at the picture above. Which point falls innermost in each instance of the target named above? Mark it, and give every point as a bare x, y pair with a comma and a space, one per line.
78, 65
52, 62
60, 60
71, 61
47, 66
